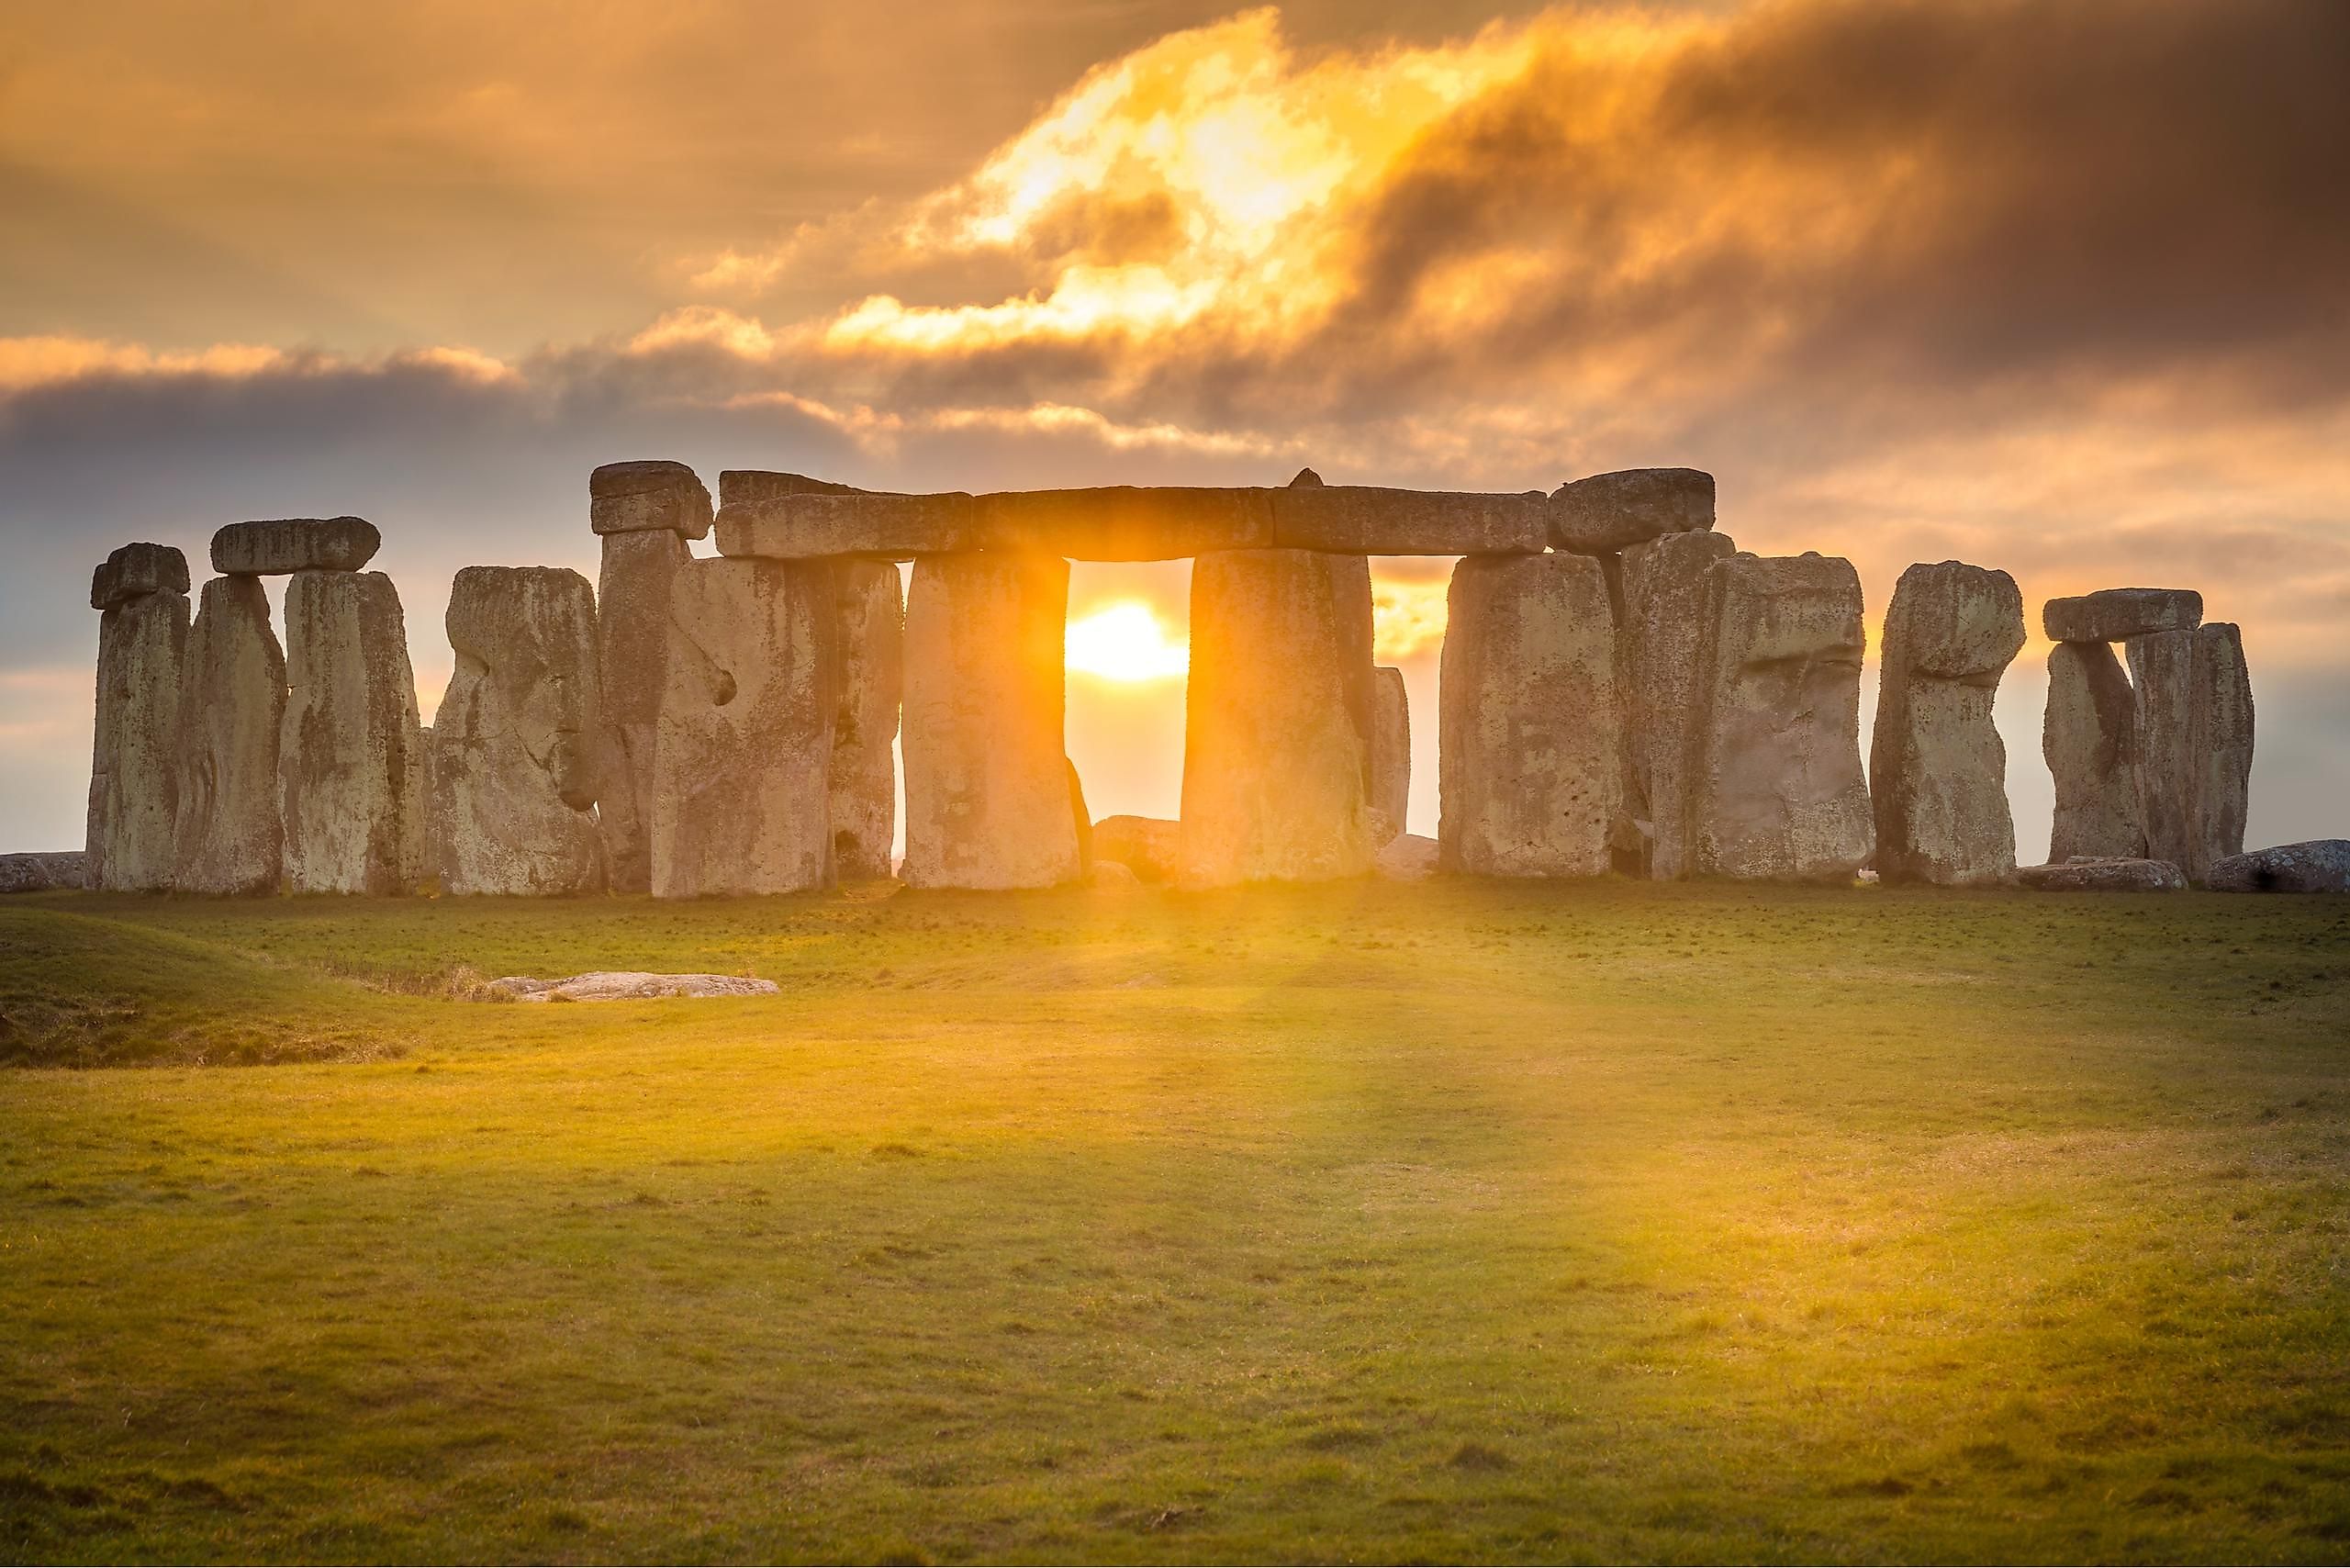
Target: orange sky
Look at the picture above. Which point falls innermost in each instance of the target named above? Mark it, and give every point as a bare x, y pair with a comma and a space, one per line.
2057, 285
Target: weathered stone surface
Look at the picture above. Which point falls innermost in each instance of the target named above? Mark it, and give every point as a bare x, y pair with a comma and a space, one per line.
515, 741
1125, 522
2090, 740
275, 546
1149, 846
1306, 477
232, 703
801, 526
136, 570
988, 799
134, 773
350, 764
743, 485
1530, 763
1609, 511
1391, 752
1366, 520
1938, 770
436, 849
2318, 866
1276, 719
868, 669
646, 497
1080, 819
40, 870
741, 766
630, 985
1112, 876
631, 653
1659, 642
2116, 615
1408, 857
2109, 875
2195, 735
1776, 790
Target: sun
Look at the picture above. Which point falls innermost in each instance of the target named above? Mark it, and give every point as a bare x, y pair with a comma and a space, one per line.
1124, 641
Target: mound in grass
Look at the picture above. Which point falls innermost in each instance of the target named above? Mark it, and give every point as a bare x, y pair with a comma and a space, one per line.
81, 991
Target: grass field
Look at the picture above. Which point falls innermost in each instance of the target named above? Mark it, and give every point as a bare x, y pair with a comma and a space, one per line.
1450, 1221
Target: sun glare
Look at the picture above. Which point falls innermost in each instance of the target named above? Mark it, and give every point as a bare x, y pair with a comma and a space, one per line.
1125, 642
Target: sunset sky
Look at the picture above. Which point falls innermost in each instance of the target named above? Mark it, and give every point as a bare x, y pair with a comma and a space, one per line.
2056, 286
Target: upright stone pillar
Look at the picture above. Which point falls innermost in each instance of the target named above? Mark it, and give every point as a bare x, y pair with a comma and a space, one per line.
644, 513
2223, 742
1278, 719
1391, 754
517, 739
350, 761
2090, 740
1775, 789
743, 758
988, 795
2194, 712
869, 627
232, 704
142, 591
1938, 770
1530, 729
1660, 643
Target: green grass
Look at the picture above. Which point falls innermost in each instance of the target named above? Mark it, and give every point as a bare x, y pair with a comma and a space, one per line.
1447, 1222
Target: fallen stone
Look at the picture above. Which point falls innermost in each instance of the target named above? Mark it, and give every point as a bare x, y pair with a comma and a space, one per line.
1607, 512
350, 761
2195, 736
869, 669
640, 571
279, 545
742, 760
2088, 737
1660, 643
2104, 876
1148, 847
1276, 719
743, 485
655, 496
630, 985
1366, 520
802, 526
2318, 866
1776, 789
40, 871
2116, 615
516, 741
988, 799
1125, 522
226, 839
1530, 733
1112, 876
1938, 770
134, 759
135, 571
1408, 857
1391, 752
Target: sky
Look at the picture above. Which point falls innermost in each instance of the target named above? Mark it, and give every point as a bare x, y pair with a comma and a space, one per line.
2059, 286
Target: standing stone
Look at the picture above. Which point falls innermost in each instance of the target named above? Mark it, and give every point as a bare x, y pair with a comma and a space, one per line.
350, 765
631, 645
1659, 642
2222, 739
868, 617
1938, 770
515, 743
1278, 721
743, 761
988, 796
1530, 727
2195, 722
1391, 753
134, 754
232, 703
1776, 790
2090, 739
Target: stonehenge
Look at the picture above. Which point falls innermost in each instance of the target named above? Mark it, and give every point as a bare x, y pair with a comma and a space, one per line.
1938, 770
515, 747
1621, 689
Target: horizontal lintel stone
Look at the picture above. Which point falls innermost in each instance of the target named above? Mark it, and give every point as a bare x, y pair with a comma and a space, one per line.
275, 546
1127, 522
2116, 615
136, 570
647, 495
862, 522
739, 485
1607, 512
1367, 519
